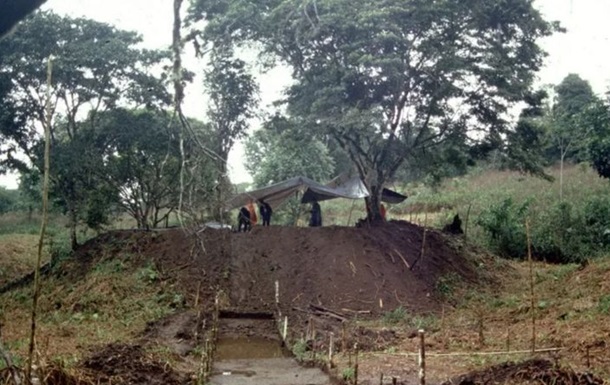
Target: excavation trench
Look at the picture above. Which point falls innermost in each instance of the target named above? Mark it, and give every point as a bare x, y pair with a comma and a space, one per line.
249, 351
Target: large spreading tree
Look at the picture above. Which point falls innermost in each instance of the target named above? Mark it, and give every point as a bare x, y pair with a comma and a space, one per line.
97, 68
389, 78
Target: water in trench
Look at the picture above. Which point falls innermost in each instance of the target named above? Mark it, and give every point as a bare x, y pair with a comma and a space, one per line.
248, 351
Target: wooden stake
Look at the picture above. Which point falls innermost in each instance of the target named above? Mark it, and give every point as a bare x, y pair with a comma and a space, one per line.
423, 239
330, 350
481, 325
422, 357
277, 293
532, 299
356, 365
508, 339
343, 337
466, 224
394, 380
285, 331
381, 379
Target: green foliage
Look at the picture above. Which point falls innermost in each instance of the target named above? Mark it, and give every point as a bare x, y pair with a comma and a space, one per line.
358, 67
603, 305
505, 224
283, 149
568, 230
348, 374
446, 285
566, 134
9, 200
148, 274
597, 119
95, 68
299, 349
395, 316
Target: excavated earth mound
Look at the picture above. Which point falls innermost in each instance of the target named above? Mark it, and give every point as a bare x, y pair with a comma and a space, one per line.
337, 271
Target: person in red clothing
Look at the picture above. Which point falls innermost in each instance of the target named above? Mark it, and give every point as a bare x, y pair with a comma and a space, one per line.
382, 211
253, 218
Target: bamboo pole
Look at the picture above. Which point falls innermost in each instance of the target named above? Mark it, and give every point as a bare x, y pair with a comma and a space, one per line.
45, 219
422, 357
532, 299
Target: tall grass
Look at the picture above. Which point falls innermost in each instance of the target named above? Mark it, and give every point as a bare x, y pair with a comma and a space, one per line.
570, 229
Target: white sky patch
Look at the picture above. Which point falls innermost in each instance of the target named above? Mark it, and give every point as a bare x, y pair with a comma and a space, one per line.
582, 50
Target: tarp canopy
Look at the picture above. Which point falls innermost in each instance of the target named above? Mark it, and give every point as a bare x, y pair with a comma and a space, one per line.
351, 189
391, 196
278, 193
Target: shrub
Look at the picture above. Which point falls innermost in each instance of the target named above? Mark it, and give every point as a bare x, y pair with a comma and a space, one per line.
505, 225
395, 316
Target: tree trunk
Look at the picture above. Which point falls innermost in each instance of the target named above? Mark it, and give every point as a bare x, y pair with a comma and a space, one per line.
222, 191
563, 155
373, 204
73, 223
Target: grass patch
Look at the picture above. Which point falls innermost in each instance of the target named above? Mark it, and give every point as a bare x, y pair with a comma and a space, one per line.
112, 303
395, 316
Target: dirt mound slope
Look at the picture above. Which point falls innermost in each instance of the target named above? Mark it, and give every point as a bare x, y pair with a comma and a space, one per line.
535, 371
368, 270
128, 364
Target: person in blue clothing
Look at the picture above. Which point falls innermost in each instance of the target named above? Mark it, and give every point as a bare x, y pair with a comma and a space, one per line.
316, 215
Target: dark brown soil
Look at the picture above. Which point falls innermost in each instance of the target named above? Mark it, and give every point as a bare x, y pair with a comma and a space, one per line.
325, 275
128, 364
525, 373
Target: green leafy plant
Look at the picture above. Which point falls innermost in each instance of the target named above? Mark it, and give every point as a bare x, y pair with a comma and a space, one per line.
446, 284
148, 273
299, 348
505, 224
348, 374
395, 316
603, 305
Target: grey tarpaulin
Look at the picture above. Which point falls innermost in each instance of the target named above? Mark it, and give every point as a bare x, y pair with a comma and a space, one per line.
277, 193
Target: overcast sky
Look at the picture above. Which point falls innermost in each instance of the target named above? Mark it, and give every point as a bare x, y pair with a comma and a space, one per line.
582, 50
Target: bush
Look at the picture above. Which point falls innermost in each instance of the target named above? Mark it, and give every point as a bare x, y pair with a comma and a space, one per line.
563, 232
505, 225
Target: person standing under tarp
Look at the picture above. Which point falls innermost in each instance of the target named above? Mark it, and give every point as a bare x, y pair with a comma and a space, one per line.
243, 220
252, 210
316, 215
266, 211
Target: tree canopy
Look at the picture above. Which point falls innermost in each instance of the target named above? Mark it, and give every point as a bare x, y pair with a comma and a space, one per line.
97, 68
386, 79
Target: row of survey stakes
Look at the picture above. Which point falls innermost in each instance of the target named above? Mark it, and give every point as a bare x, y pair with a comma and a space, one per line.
284, 333
282, 321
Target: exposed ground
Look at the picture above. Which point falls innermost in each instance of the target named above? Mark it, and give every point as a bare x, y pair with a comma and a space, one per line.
123, 309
